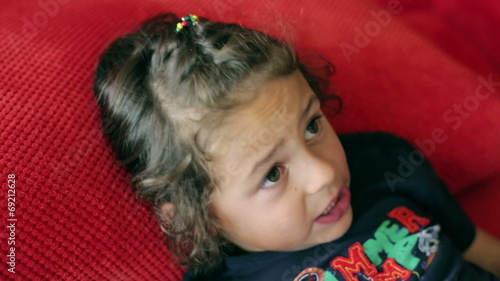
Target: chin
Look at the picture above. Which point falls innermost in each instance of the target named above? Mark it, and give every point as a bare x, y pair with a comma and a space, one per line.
338, 229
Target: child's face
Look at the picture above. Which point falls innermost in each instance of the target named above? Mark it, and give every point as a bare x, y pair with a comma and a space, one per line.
281, 167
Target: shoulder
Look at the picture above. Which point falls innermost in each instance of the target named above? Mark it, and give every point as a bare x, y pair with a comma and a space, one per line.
191, 276
379, 157
375, 146
367, 139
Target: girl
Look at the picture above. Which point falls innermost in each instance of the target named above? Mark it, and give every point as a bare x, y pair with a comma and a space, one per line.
223, 130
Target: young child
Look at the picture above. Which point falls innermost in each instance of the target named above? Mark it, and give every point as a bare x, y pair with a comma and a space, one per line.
223, 131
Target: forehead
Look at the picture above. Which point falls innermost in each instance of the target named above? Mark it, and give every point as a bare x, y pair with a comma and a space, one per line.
262, 121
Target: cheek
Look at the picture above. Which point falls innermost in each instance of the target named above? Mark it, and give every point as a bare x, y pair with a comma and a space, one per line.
286, 224
223, 213
253, 221
235, 216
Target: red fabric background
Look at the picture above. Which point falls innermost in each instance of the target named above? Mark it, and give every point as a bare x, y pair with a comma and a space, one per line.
76, 217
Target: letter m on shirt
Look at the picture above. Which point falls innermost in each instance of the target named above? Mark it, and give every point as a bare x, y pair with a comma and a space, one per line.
358, 263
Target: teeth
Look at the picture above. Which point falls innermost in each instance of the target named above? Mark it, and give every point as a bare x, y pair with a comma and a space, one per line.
329, 208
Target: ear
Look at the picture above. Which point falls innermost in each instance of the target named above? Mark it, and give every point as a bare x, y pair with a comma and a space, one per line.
167, 210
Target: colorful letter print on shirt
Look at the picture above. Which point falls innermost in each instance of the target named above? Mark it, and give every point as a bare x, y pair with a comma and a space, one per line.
403, 246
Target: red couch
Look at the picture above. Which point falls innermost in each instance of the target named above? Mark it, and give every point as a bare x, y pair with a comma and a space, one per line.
425, 70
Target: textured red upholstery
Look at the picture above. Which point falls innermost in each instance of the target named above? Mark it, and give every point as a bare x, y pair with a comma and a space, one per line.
413, 69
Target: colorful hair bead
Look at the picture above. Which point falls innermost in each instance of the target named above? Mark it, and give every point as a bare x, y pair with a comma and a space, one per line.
188, 20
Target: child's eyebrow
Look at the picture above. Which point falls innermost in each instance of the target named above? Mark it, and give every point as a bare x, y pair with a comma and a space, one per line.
312, 99
270, 155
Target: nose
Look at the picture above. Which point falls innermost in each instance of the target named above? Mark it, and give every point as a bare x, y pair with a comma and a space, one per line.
316, 171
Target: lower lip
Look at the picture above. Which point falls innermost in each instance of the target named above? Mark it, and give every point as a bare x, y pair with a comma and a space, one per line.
340, 208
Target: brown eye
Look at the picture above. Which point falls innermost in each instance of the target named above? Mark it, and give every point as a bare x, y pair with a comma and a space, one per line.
313, 128
272, 177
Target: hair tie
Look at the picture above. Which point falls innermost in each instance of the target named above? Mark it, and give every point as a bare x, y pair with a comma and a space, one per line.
188, 20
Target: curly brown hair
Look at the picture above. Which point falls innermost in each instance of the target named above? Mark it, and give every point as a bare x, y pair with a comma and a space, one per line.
157, 88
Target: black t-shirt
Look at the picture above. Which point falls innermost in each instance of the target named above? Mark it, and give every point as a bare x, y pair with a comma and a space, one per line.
406, 226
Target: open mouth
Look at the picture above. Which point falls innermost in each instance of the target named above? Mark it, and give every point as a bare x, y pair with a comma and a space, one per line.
337, 207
